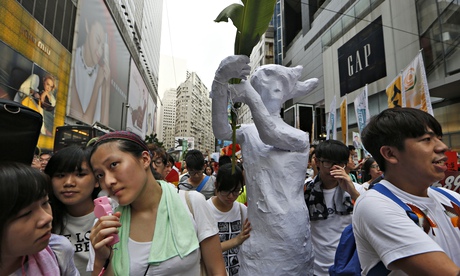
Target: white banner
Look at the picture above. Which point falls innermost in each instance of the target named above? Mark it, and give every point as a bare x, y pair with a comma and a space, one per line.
331, 128
414, 88
362, 110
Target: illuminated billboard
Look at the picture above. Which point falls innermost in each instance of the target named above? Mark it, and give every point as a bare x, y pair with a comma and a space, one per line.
100, 68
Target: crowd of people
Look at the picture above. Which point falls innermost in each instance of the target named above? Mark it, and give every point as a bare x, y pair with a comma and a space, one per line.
201, 223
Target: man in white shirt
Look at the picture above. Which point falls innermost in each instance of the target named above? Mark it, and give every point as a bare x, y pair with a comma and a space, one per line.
407, 145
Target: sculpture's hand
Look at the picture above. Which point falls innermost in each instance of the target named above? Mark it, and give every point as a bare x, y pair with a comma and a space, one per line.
233, 67
242, 91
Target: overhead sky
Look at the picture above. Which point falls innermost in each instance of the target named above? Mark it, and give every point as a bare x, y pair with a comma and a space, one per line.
191, 40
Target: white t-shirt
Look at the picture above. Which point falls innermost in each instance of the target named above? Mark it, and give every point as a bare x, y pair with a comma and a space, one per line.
205, 227
326, 233
383, 231
77, 230
230, 225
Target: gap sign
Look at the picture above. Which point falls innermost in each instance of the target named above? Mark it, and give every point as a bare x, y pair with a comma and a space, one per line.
362, 58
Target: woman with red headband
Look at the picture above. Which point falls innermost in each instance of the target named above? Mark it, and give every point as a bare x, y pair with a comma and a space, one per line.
162, 231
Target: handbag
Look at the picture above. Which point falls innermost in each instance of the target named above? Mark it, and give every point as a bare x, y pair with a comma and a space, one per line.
19, 131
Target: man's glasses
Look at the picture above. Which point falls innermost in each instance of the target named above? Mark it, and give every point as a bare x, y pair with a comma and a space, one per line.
234, 193
192, 173
328, 164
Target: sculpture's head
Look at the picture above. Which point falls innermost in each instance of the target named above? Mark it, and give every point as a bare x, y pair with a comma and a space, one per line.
277, 84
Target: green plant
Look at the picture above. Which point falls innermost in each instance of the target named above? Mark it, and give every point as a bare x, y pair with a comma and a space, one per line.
251, 21
152, 139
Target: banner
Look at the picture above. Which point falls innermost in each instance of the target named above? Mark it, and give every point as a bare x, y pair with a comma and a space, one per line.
362, 110
415, 86
394, 92
344, 120
331, 130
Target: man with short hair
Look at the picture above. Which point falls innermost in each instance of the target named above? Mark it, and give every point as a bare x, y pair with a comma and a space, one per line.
407, 145
195, 179
329, 199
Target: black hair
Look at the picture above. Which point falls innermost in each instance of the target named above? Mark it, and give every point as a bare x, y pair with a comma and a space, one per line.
224, 159
194, 160
351, 147
208, 166
66, 160
333, 150
367, 168
21, 185
393, 126
171, 159
226, 181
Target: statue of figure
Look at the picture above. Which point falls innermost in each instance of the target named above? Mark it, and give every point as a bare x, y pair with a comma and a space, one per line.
275, 158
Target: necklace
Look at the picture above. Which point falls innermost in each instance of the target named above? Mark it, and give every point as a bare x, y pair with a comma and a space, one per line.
89, 70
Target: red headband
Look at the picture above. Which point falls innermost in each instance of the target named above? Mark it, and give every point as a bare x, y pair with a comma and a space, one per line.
123, 135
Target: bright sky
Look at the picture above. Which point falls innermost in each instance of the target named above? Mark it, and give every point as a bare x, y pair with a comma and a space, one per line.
191, 40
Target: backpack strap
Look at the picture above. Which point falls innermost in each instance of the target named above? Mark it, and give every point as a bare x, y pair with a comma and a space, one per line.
385, 191
200, 187
446, 194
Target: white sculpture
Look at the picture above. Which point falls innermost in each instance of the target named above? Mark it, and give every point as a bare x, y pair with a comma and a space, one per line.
275, 161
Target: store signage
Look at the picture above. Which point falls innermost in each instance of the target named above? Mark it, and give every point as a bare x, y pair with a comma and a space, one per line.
37, 42
362, 58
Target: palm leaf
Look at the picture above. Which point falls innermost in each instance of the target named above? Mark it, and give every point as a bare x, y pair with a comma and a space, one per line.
251, 21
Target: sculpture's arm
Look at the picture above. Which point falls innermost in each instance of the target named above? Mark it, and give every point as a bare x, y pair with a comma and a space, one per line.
272, 129
230, 67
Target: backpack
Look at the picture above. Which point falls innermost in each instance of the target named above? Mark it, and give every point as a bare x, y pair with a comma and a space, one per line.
346, 261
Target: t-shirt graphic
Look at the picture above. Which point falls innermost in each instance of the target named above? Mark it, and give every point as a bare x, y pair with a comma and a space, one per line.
227, 231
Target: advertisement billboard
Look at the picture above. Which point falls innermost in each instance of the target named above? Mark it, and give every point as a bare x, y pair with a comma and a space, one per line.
100, 68
34, 68
138, 102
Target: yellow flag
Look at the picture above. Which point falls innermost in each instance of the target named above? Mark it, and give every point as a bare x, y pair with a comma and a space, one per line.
394, 93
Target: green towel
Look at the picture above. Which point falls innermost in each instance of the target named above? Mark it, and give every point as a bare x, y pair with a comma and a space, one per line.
174, 232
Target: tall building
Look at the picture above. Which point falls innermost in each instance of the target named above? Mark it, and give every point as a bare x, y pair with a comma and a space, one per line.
193, 113
168, 118
348, 44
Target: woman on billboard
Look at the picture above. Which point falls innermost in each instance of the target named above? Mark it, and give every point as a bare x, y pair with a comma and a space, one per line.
91, 87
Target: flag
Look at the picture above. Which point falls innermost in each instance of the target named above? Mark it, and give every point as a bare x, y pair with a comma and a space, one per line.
415, 86
362, 110
331, 129
394, 92
344, 120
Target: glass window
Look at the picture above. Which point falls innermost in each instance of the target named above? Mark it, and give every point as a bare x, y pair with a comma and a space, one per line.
362, 8
39, 12
427, 13
348, 20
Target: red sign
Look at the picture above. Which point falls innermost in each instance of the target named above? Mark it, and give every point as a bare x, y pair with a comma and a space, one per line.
451, 162
451, 181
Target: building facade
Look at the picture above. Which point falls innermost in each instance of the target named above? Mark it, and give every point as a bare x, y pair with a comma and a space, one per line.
168, 118
193, 113
101, 59
325, 31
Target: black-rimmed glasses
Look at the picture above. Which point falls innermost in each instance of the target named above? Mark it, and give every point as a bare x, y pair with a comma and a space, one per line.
328, 163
